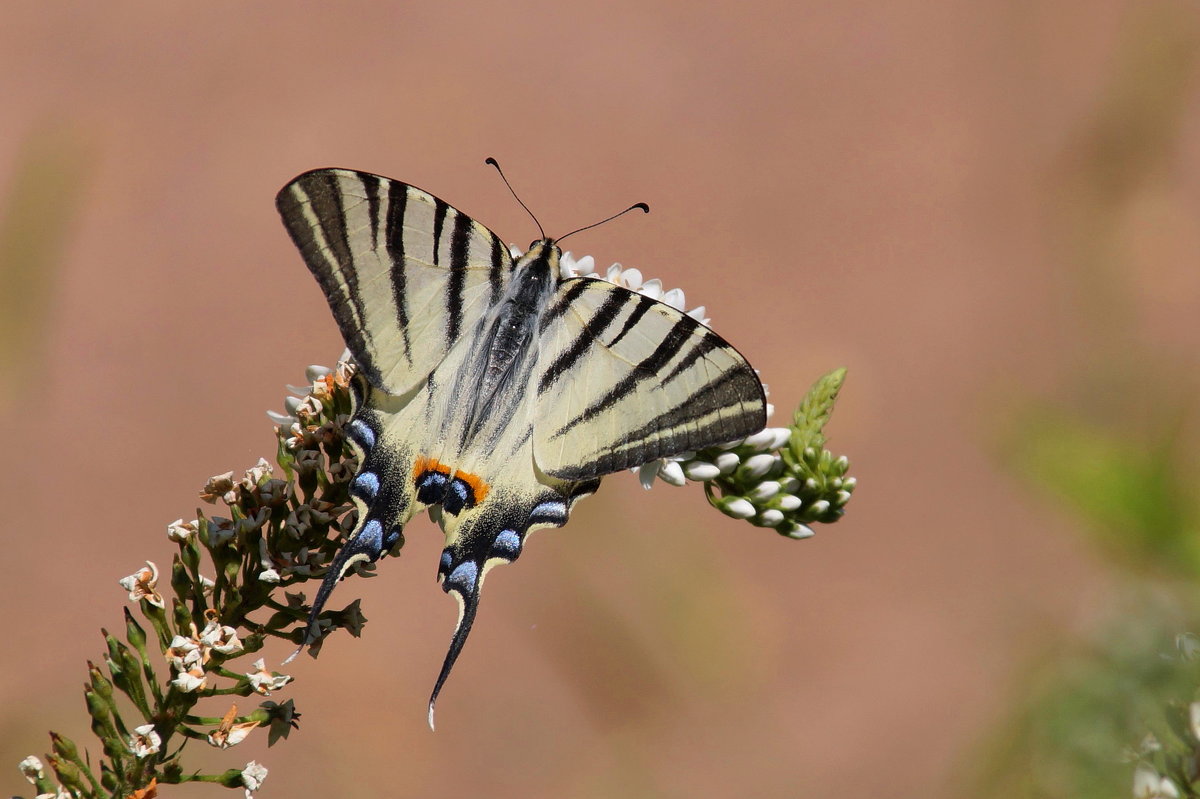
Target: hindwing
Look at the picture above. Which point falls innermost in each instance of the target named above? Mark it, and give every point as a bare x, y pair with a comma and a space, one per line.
625, 379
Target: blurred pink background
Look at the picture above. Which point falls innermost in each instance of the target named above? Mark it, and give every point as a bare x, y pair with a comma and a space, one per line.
892, 187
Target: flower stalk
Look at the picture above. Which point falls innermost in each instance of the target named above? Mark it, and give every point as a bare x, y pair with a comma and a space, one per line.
232, 582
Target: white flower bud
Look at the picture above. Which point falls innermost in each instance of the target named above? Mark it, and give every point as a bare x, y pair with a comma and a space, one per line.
820, 506
849, 483
771, 517
738, 508
789, 502
765, 490
758, 465
800, 531
671, 472
761, 441
727, 462
699, 470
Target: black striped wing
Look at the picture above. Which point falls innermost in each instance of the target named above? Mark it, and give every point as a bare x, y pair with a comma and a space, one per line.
624, 379
404, 273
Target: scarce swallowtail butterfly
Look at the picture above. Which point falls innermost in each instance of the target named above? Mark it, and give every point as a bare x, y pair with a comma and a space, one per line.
494, 391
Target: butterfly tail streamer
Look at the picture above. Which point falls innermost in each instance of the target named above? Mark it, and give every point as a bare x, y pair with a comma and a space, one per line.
468, 605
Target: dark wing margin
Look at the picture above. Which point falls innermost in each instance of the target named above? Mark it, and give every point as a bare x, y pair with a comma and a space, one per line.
404, 273
624, 379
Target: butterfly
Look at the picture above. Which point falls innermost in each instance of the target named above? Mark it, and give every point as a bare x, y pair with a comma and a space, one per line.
493, 391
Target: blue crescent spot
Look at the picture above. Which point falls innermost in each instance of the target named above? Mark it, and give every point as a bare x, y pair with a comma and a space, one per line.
363, 433
368, 482
373, 531
464, 576
447, 559
550, 510
460, 488
507, 543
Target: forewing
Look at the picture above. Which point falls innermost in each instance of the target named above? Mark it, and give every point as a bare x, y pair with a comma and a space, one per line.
404, 273
623, 379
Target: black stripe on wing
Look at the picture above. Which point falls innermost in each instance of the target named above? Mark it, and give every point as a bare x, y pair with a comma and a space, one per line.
680, 428
323, 196
393, 237
647, 369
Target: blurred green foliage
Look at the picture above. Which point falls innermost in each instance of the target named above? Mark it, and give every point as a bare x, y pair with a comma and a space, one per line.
1119, 454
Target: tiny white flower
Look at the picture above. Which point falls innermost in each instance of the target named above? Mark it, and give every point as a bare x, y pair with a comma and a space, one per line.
843, 497
180, 531
141, 585
183, 653
1149, 784
219, 486
264, 681
252, 777
33, 769
227, 733
255, 474
820, 506
281, 419
675, 299
631, 279
269, 576
192, 680
315, 371
653, 289
220, 639
1187, 644
699, 470
143, 741
697, 313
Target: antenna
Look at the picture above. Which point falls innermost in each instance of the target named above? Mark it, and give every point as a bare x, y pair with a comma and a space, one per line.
645, 208
492, 162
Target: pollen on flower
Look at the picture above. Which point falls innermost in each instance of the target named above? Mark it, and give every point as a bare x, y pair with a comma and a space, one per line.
219, 487
220, 638
228, 734
180, 531
143, 741
142, 585
32, 768
263, 681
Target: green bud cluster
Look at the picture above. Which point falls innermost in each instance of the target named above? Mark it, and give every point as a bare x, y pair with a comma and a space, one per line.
781, 478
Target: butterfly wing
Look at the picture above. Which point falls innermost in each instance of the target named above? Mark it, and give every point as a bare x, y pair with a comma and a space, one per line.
404, 273
406, 276
495, 532
624, 379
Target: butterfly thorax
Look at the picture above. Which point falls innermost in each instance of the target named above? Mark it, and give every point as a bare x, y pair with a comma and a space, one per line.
505, 352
